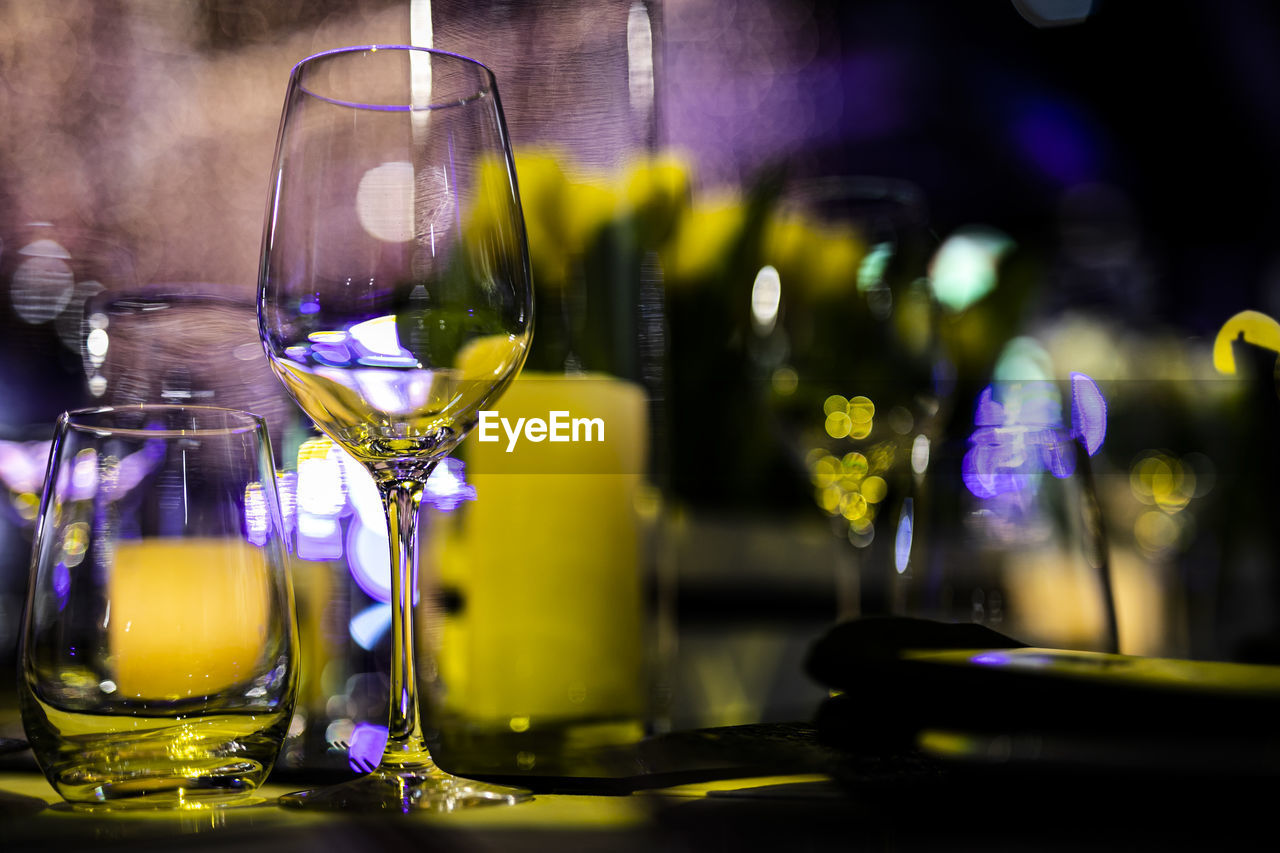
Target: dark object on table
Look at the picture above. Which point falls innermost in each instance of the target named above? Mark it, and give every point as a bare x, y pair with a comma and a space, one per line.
12, 744
1007, 704
879, 707
839, 658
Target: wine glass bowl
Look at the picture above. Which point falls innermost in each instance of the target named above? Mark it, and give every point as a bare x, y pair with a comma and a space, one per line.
844, 329
395, 303
395, 289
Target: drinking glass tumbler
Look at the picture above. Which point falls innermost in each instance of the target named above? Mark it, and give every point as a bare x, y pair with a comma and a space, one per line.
158, 647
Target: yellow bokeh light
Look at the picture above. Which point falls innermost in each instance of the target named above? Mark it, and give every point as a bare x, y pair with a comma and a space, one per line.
1138, 484
861, 410
853, 506
826, 471
1251, 326
860, 431
1159, 476
1155, 531
838, 425
1173, 501
874, 489
75, 539
829, 498
785, 381
1163, 480
835, 403
854, 465
851, 482
27, 504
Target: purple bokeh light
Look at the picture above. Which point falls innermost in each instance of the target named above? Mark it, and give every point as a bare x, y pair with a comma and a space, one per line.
367, 744
61, 583
367, 546
369, 561
1088, 413
1019, 433
902, 542
22, 464
447, 489
991, 659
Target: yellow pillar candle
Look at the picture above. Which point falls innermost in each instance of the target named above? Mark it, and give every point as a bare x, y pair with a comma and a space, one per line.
187, 617
548, 562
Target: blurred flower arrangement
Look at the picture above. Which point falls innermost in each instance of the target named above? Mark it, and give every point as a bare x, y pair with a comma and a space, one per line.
766, 300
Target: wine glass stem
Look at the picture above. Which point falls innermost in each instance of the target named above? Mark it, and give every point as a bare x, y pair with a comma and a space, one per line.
402, 498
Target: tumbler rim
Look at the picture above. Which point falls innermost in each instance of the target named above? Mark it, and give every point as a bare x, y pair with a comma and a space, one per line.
97, 420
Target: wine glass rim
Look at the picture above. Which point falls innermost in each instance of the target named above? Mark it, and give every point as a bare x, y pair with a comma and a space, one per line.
373, 48
235, 421
906, 196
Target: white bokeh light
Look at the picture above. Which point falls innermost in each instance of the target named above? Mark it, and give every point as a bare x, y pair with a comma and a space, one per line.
384, 202
766, 296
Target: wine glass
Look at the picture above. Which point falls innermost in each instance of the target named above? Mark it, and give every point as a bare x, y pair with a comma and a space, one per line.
843, 331
395, 303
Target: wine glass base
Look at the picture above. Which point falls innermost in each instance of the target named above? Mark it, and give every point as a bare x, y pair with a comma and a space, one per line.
406, 791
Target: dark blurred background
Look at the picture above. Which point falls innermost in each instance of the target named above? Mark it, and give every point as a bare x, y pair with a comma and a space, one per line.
1108, 166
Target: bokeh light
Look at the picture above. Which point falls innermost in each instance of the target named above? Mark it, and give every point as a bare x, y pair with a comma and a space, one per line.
1167, 484
43, 283
1252, 327
905, 535
766, 294
367, 744
964, 269
384, 202
369, 625
1088, 412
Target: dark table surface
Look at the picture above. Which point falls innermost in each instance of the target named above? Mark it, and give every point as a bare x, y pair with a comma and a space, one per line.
724, 798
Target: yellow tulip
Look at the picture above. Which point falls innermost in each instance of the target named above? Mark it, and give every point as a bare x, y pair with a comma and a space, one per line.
544, 191
656, 191
703, 240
